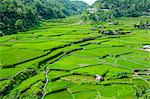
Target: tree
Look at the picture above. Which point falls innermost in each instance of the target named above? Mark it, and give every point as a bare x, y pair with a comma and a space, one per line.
18, 15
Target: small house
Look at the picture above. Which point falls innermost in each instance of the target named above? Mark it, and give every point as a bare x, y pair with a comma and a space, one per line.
99, 78
92, 10
146, 47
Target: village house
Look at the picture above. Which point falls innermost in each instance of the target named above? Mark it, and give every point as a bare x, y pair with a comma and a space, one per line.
94, 10
146, 47
99, 78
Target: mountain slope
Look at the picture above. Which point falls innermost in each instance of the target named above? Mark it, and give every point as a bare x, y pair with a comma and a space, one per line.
129, 8
18, 15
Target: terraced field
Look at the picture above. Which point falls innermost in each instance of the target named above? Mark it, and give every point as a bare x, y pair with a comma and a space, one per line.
61, 58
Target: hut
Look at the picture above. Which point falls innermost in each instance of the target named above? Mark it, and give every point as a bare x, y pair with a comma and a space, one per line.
92, 10
99, 78
146, 47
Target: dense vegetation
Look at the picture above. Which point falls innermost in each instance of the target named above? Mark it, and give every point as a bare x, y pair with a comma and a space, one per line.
21, 14
120, 8
143, 25
61, 58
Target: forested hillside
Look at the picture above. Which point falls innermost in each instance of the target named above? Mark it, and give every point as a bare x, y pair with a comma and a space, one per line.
129, 8
18, 15
121, 8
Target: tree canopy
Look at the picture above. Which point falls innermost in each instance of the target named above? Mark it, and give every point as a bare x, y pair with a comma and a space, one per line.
121, 8
18, 15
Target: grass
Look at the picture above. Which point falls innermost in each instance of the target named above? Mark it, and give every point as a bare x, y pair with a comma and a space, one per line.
27, 83
57, 85
81, 88
39, 46
72, 68
56, 74
78, 78
33, 91
104, 69
86, 95
71, 62
13, 56
65, 94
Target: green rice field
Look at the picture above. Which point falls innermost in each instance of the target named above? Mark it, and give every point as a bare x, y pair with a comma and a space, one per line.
59, 60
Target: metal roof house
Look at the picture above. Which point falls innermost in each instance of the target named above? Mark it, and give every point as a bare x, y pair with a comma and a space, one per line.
92, 10
146, 47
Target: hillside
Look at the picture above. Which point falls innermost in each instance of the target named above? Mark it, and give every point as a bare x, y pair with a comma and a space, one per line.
74, 7
128, 8
18, 15
108, 9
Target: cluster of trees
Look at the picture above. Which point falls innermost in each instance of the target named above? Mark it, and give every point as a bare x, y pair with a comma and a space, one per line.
121, 8
18, 15
114, 32
143, 25
74, 7
129, 8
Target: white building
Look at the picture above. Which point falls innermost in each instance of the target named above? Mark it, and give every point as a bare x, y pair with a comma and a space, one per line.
146, 47
92, 10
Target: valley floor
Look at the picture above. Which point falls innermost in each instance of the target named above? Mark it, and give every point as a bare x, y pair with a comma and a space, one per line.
60, 58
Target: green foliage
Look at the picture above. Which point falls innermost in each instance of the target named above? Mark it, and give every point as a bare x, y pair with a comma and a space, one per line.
19, 24
121, 8
65, 94
121, 75
72, 75
18, 55
85, 16
18, 15
57, 85
143, 25
124, 7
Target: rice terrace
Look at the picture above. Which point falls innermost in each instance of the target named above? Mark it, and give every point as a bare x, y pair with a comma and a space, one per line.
75, 56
